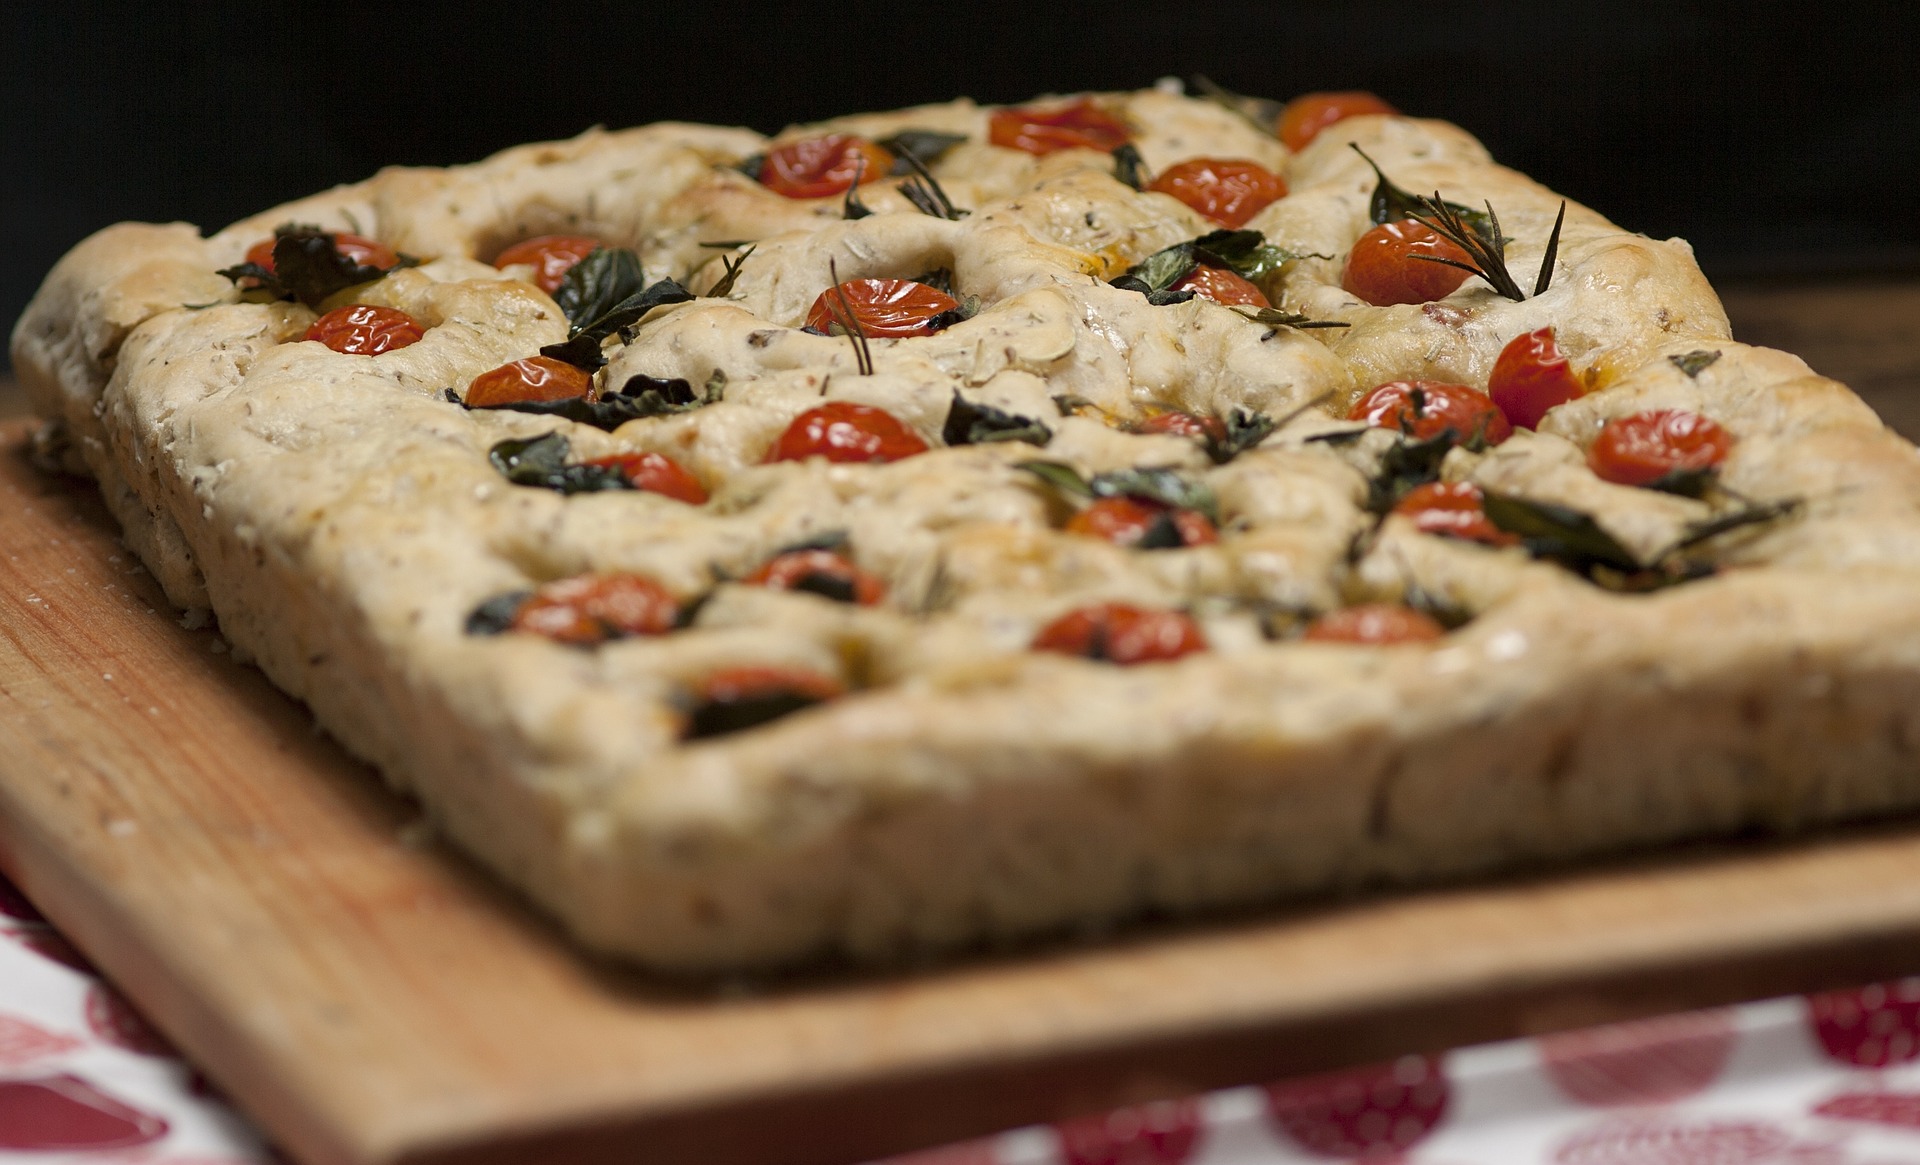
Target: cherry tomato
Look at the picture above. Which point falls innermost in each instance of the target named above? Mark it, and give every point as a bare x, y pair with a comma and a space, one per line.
1221, 286
535, 378
1530, 377
1122, 634
821, 166
1424, 409
1645, 447
656, 475
843, 431
362, 329
883, 308
1227, 190
593, 608
1454, 508
1306, 115
1181, 424
359, 248
551, 257
1125, 521
1374, 624
1080, 125
1382, 271
745, 696
822, 572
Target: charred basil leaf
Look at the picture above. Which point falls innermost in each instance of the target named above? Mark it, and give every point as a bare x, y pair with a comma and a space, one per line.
496, 614
1391, 204
720, 717
542, 461
1245, 429
828, 586
307, 266
1688, 483
1405, 464
1340, 436
1750, 515
582, 348
1245, 253
1162, 533
969, 307
1166, 486
1695, 362
750, 165
596, 283
973, 423
834, 540
1561, 533
1129, 167
641, 396
925, 146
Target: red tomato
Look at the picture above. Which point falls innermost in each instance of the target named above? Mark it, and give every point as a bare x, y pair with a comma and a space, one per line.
1380, 268
818, 571
759, 681
883, 308
1122, 634
821, 166
1227, 190
843, 431
593, 608
1423, 409
1306, 115
1125, 521
1181, 424
535, 378
362, 329
656, 475
1530, 377
551, 257
1645, 447
1374, 624
359, 248
1454, 508
1081, 125
1221, 286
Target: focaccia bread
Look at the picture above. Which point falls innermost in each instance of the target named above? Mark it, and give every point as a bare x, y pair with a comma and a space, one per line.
959, 760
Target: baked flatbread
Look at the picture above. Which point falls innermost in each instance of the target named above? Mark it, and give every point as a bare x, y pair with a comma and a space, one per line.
1644, 665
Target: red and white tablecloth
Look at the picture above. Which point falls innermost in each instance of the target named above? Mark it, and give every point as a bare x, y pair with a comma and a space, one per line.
1825, 1080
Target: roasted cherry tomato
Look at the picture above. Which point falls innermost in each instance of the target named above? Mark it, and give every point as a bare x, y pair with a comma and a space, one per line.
822, 166
1376, 624
1306, 115
746, 696
1221, 286
1381, 268
820, 572
1530, 377
843, 431
361, 329
551, 257
593, 608
1081, 125
1122, 634
883, 308
1424, 409
1181, 424
1128, 521
656, 475
1227, 190
535, 378
1454, 508
362, 250
1645, 447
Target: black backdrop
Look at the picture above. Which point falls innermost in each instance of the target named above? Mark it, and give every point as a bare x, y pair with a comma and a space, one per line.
1778, 139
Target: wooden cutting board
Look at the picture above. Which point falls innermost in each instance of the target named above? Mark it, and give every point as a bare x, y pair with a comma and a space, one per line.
370, 997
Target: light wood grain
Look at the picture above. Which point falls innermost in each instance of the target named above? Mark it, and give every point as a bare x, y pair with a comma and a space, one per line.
371, 999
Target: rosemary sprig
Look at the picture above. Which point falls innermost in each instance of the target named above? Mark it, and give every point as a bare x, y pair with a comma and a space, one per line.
1487, 248
923, 190
1545, 278
724, 287
852, 207
843, 315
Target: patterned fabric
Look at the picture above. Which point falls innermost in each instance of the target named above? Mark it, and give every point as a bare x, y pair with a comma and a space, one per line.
1830, 1079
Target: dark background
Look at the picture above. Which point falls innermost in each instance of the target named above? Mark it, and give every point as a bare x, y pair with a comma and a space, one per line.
1781, 140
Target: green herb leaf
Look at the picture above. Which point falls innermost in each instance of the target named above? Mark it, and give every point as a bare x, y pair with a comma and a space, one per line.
641, 396
496, 614
1286, 319
307, 266
1064, 478
1751, 515
925, 146
596, 283
969, 307
1245, 253
1245, 429
1166, 486
1391, 204
974, 423
1695, 362
1560, 533
1687, 483
1129, 167
1404, 465
582, 350
1070, 404
1486, 248
542, 461
1263, 114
